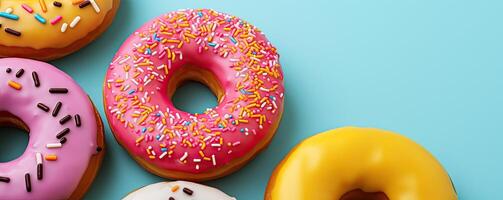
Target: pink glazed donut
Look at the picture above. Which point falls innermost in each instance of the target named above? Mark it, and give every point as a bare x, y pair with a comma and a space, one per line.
232, 57
66, 141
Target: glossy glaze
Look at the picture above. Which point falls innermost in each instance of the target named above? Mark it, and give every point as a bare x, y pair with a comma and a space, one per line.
248, 81
60, 177
37, 35
330, 164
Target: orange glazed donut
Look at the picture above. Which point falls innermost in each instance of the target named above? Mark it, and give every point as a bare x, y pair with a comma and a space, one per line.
224, 52
359, 164
50, 29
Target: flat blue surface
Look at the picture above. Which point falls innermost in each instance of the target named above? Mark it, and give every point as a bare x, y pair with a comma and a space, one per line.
429, 69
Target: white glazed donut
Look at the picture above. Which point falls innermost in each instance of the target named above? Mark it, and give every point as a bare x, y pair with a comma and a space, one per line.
178, 190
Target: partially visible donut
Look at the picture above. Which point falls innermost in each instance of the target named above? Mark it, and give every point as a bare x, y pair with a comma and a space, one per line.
227, 54
50, 29
359, 163
178, 190
66, 142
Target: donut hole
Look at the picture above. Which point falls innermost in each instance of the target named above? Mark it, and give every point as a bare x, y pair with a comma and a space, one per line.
14, 137
193, 89
359, 194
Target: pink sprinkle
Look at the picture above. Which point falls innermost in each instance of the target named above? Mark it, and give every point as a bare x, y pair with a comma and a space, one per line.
56, 20
27, 8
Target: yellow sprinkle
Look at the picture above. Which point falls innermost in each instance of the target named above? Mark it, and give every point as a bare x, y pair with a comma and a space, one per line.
15, 85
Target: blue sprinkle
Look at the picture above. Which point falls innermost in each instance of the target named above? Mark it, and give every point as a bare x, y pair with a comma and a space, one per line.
131, 92
200, 14
40, 18
243, 91
9, 16
158, 114
242, 130
149, 52
211, 44
154, 37
164, 149
233, 40
233, 123
144, 129
220, 126
157, 137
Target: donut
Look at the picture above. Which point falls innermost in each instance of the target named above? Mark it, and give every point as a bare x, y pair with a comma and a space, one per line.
232, 57
359, 163
177, 190
50, 29
66, 142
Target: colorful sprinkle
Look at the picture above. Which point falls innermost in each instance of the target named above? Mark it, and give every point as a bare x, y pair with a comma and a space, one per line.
95, 6
9, 16
74, 22
15, 85
43, 6
164, 133
51, 157
56, 20
40, 18
27, 8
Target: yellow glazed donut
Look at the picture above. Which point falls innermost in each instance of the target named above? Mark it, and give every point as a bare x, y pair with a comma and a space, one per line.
49, 29
359, 163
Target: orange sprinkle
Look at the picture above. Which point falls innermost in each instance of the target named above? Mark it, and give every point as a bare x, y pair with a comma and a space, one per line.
42, 5
74, 2
51, 157
175, 188
15, 85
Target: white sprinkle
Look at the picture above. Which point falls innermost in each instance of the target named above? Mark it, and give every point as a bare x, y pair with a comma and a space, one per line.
95, 6
39, 158
197, 160
54, 145
8, 10
75, 21
215, 145
124, 60
64, 27
213, 160
185, 155
163, 154
197, 167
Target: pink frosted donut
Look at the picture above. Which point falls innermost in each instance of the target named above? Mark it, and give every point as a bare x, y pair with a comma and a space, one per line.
224, 52
66, 136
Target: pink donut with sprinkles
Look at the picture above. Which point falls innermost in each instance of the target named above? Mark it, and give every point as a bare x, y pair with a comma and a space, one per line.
66, 142
229, 55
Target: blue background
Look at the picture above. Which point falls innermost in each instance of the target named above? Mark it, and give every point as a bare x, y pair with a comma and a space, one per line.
429, 69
